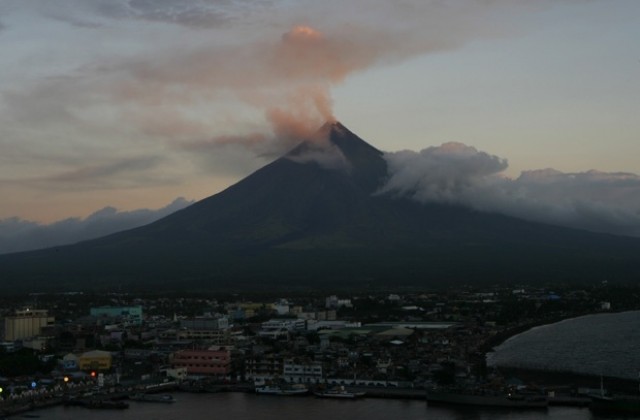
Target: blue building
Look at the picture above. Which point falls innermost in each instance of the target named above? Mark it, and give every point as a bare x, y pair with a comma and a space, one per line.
131, 315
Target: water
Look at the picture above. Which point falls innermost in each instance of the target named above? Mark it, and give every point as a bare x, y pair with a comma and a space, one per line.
240, 406
600, 344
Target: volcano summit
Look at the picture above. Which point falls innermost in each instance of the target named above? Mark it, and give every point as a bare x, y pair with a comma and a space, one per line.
315, 218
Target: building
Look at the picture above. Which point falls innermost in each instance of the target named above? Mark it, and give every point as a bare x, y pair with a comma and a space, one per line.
177, 374
213, 361
70, 362
302, 371
95, 360
211, 336
280, 328
333, 302
26, 323
37, 343
130, 315
288, 324
205, 323
245, 310
331, 325
281, 307
8, 346
263, 367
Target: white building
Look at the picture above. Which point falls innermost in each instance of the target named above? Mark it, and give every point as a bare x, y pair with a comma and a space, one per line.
302, 372
332, 302
331, 325
276, 328
281, 307
25, 324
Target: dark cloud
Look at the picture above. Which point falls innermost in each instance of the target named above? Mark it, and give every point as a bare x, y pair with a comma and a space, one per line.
21, 235
96, 173
457, 174
194, 14
189, 13
77, 21
116, 173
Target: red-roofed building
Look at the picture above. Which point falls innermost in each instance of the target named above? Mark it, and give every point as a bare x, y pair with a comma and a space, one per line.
214, 361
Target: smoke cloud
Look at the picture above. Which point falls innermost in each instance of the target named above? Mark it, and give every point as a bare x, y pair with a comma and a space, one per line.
283, 79
289, 79
456, 174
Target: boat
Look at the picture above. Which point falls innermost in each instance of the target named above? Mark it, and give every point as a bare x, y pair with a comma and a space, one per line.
95, 403
284, 389
615, 404
107, 404
605, 403
338, 392
487, 398
159, 398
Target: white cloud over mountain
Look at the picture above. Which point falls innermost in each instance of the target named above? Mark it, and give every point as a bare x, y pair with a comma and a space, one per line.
454, 173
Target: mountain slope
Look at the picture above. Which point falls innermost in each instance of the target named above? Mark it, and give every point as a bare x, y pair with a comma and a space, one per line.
313, 219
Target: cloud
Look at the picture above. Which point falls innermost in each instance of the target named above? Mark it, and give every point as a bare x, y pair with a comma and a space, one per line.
456, 174
21, 235
89, 83
196, 14
440, 174
96, 174
277, 61
189, 13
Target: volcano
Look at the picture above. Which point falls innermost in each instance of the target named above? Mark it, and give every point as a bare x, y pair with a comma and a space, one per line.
314, 218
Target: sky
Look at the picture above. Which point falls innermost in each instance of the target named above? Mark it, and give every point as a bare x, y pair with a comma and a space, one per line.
110, 107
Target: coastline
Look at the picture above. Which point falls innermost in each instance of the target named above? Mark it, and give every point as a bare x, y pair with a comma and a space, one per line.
558, 379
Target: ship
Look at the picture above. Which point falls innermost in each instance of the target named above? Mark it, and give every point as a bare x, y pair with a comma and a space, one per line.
615, 404
487, 398
159, 398
338, 392
106, 404
284, 390
96, 403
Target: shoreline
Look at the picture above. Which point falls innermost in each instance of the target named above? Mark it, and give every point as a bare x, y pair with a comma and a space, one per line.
566, 379
562, 382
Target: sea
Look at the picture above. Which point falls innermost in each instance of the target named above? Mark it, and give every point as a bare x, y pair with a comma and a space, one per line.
594, 344
243, 406
600, 345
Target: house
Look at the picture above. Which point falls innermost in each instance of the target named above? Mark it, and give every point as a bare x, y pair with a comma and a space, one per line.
95, 360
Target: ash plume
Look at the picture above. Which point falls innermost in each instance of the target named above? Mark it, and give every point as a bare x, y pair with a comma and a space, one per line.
230, 74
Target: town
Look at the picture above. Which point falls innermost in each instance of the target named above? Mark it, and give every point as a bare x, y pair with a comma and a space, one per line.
56, 344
